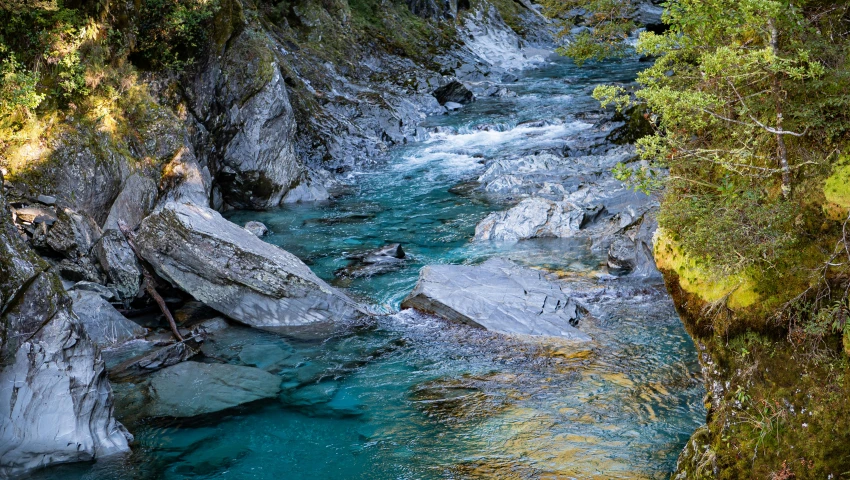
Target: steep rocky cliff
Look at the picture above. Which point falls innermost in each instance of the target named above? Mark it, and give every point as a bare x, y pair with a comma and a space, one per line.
55, 400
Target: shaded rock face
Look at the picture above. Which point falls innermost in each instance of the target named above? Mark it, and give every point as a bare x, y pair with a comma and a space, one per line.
229, 269
119, 262
101, 321
534, 217
454, 92
190, 389
246, 123
55, 403
497, 295
437, 9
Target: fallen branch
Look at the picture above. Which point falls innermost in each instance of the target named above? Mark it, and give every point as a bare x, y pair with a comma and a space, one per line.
150, 283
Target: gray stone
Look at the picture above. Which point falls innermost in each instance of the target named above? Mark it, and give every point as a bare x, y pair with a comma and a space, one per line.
105, 293
233, 271
35, 214
452, 106
103, 324
135, 368
120, 264
46, 199
190, 389
376, 262
135, 201
622, 255
497, 295
241, 99
73, 234
55, 401
81, 269
186, 180
257, 228
532, 218
454, 92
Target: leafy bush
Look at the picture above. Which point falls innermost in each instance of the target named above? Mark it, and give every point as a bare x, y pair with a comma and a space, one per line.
172, 32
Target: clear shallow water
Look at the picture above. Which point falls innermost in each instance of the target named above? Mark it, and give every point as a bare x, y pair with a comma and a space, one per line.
415, 398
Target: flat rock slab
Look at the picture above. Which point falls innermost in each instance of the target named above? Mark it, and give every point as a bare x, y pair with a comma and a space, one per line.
497, 295
189, 389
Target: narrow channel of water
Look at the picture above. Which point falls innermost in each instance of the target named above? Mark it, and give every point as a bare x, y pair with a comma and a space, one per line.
415, 398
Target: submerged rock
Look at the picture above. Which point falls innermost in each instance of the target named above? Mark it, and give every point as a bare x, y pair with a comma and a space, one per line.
233, 271
189, 389
103, 324
497, 295
55, 401
532, 218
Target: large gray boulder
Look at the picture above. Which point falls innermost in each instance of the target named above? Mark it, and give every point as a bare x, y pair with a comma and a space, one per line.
190, 389
231, 270
101, 321
497, 295
241, 101
55, 400
534, 217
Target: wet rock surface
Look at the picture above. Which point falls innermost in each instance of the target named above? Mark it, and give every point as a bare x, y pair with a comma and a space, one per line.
190, 389
497, 295
229, 269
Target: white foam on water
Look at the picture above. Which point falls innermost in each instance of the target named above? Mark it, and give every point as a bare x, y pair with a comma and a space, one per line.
461, 153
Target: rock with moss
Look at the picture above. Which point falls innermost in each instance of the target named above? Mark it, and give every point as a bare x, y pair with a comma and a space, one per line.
56, 403
231, 270
119, 262
240, 99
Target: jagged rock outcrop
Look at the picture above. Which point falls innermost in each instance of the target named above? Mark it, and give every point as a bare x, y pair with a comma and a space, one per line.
55, 401
231, 270
245, 123
534, 217
497, 295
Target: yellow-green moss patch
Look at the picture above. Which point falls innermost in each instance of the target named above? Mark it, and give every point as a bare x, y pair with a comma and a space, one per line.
694, 278
837, 191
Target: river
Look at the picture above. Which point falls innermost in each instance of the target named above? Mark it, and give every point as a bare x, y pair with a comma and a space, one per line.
416, 398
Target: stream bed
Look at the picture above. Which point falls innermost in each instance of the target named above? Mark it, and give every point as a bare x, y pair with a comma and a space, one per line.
416, 398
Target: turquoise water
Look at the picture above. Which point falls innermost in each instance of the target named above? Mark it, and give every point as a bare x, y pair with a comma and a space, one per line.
415, 398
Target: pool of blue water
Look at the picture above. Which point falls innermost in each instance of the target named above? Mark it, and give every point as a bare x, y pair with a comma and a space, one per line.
415, 398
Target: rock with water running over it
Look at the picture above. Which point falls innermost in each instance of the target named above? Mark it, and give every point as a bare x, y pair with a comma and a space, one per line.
190, 389
532, 218
231, 270
497, 295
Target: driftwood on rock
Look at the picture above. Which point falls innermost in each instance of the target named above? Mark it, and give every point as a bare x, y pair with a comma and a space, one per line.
150, 282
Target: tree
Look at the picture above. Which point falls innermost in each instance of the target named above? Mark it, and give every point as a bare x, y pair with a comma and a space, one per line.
751, 99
